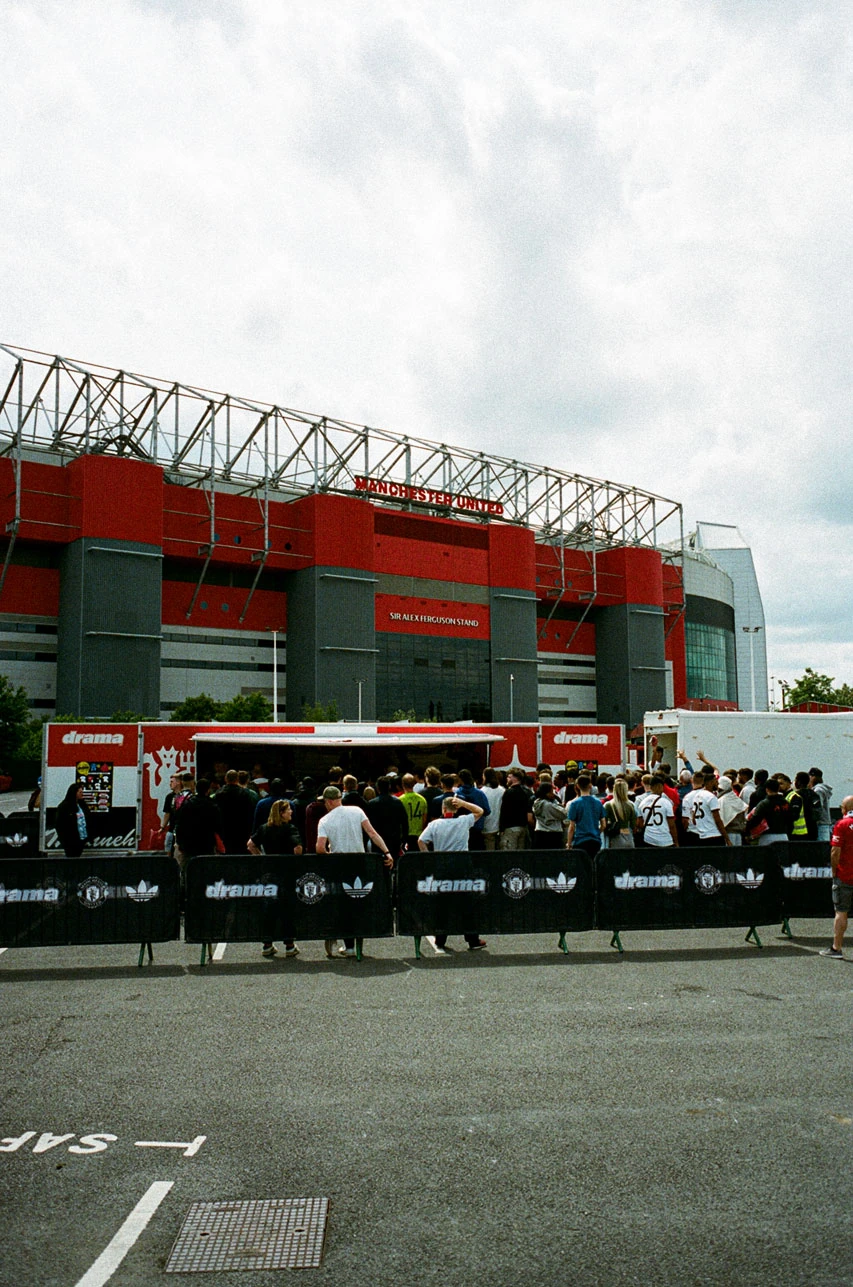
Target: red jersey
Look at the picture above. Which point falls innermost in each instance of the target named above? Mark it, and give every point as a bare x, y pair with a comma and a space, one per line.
842, 838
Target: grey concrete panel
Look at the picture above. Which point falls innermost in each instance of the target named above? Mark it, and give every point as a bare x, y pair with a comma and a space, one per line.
513, 638
419, 587
109, 628
331, 640
630, 662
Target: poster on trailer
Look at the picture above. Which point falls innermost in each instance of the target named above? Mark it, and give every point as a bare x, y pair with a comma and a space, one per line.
103, 759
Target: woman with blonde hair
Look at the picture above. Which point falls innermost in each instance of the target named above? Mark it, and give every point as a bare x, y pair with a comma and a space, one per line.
619, 818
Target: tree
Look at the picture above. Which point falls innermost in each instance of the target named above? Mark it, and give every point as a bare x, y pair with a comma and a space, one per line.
246, 708
317, 713
814, 687
14, 719
196, 710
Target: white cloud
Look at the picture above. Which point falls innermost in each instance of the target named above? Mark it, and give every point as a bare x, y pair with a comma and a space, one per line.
612, 237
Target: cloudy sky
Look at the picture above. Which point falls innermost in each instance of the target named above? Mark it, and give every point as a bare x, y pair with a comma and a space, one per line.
614, 238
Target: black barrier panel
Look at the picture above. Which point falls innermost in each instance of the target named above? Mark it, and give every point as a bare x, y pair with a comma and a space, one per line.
47, 902
533, 891
245, 898
687, 888
19, 835
807, 879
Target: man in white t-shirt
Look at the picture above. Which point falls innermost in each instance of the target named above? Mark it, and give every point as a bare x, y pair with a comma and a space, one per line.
656, 817
449, 834
701, 810
342, 831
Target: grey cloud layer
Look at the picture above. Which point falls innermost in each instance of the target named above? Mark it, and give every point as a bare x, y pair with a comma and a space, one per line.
613, 237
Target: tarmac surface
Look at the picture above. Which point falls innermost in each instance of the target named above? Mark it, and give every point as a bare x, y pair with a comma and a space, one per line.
680, 1114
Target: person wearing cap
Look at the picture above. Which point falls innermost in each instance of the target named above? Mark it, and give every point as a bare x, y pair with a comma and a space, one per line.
342, 831
733, 811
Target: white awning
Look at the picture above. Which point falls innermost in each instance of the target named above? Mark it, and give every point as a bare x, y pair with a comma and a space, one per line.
322, 739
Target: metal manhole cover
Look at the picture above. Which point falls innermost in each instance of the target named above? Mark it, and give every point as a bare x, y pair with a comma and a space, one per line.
282, 1233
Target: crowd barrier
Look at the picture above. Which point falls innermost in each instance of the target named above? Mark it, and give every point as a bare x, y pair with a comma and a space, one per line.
49, 901
534, 891
248, 899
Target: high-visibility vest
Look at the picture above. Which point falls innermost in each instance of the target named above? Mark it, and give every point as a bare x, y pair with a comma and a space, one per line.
800, 828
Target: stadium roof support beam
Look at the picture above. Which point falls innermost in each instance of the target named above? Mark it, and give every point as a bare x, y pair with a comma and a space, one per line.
263, 448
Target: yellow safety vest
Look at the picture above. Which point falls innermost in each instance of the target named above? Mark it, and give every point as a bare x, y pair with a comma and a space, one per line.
800, 828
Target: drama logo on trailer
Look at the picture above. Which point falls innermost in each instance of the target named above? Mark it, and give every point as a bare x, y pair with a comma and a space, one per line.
581, 739
73, 738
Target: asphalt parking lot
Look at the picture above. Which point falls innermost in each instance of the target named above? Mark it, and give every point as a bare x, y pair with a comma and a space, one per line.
679, 1114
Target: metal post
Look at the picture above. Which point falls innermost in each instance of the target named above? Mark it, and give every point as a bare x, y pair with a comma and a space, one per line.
275, 676
512, 699
360, 682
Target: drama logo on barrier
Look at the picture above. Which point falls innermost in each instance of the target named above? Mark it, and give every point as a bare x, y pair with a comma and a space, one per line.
93, 892
666, 878
562, 884
796, 872
311, 888
143, 892
45, 894
429, 885
221, 890
516, 883
357, 889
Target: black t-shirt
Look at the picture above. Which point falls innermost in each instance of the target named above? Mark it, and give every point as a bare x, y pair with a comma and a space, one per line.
516, 803
277, 840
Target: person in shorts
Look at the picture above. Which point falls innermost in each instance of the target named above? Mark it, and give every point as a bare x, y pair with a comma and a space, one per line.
841, 857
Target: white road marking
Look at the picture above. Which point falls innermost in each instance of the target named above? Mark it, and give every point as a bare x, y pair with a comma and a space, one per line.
190, 1147
116, 1250
219, 951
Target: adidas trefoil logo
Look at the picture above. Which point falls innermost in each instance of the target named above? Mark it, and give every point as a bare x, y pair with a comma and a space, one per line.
143, 892
357, 889
16, 841
749, 879
562, 885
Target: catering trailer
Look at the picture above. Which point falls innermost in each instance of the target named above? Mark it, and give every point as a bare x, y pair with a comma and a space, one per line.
783, 741
124, 769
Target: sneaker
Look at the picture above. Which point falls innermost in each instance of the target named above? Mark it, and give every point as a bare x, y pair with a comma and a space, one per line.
268, 951
330, 945
833, 952
476, 947
443, 949
290, 949
346, 951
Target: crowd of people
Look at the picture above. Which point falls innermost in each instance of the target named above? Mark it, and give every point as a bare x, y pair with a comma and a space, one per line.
510, 810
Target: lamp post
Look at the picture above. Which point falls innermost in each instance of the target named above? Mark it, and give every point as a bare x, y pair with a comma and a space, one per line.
359, 682
512, 699
752, 631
